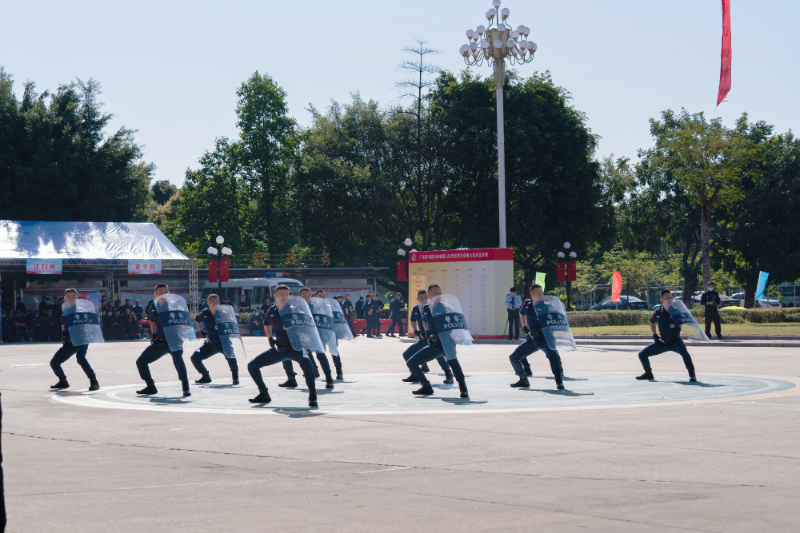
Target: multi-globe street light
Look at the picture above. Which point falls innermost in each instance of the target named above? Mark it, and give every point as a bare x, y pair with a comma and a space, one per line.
225, 251
496, 45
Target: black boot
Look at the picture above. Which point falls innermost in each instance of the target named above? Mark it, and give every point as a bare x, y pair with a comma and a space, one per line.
289, 383
448, 378
328, 381
559, 383
339, 374
425, 390
62, 384
316, 371
312, 399
411, 379
425, 368
93, 384
235, 376
462, 386
185, 385
523, 382
692, 376
149, 389
263, 397
648, 375
527, 368
206, 378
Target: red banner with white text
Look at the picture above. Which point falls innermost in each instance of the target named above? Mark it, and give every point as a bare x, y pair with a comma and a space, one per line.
725, 69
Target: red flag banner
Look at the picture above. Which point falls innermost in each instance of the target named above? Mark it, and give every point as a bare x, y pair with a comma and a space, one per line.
561, 272
223, 269
616, 286
572, 274
212, 271
725, 69
401, 270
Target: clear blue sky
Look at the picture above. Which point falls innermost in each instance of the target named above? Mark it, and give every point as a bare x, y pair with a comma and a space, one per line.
170, 69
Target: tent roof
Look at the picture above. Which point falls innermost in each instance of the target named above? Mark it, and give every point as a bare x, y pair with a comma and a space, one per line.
84, 240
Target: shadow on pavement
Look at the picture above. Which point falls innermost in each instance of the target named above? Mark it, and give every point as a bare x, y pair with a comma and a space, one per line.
561, 392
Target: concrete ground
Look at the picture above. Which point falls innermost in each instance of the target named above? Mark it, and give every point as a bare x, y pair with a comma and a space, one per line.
715, 466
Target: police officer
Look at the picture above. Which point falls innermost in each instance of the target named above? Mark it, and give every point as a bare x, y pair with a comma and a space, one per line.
419, 331
256, 323
670, 340
377, 307
51, 323
347, 308
37, 326
433, 350
534, 341
360, 308
710, 302
395, 310
366, 309
67, 350
159, 347
281, 350
513, 304
138, 310
305, 294
207, 326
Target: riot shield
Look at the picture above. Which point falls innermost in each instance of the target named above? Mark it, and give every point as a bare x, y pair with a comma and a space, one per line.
176, 323
228, 329
323, 318
553, 318
451, 325
681, 315
82, 323
340, 326
299, 324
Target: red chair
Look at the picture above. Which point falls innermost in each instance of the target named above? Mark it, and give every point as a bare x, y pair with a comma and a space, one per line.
23, 331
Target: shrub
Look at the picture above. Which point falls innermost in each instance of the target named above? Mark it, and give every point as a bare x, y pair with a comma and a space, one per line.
765, 316
618, 318
731, 319
244, 318
588, 320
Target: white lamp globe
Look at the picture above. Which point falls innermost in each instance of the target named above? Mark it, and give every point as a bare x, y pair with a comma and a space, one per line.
515, 35
220, 239
498, 44
496, 3
531, 46
501, 27
484, 44
573, 255
567, 246
492, 12
469, 34
480, 30
560, 255
505, 13
473, 46
408, 242
212, 251
227, 251
413, 250
401, 252
510, 43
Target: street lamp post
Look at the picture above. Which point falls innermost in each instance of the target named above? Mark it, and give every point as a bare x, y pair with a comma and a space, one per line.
572, 256
495, 45
225, 251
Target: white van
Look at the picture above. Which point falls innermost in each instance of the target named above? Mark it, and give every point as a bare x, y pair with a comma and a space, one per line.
791, 294
256, 289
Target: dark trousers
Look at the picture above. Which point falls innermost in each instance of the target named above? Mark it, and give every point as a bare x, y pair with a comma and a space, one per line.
376, 324
531, 345
367, 325
280, 354
350, 324
712, 315
64, 353
513, 323
397, 319
660, 347
153, 353
207, 350
427, 354
419, 345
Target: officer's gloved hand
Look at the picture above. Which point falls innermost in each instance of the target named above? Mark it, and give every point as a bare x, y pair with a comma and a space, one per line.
526, 329
656, 337
202, 334
416, 332
271, 342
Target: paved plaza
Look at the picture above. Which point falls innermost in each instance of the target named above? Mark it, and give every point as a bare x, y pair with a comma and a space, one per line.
609, 453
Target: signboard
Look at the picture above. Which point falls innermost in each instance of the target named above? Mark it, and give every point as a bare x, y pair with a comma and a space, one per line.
43, 266
479, 278
152, 266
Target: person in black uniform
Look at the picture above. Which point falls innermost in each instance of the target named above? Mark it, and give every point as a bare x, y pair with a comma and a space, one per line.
256, 323
108, 325
396, 311
359, 307
244, 303
37, 327
159, 347
138, 310
433, 350
51, 323
534, 341
8, 327
281, 350
366, 309
348, 309
305, 294
67, 350
267, 304
670, 340
710, 302
419, 331
207, 326
377, 306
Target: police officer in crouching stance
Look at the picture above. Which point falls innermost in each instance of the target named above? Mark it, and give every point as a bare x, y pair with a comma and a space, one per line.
281, 350
67, 350
416, 320
213, 345
670, 340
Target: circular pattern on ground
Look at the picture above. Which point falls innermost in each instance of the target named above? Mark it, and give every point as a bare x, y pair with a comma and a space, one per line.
489, 392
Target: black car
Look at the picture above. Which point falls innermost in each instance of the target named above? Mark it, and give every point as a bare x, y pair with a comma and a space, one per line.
635, 304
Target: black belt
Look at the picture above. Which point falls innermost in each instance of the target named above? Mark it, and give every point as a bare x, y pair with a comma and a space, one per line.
669, 339
283, 343
158, 339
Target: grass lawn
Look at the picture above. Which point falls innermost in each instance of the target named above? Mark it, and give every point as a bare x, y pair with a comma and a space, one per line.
788, 328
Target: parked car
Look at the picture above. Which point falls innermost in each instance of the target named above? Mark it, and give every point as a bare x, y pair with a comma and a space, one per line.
738, 298
635, 303
724, 301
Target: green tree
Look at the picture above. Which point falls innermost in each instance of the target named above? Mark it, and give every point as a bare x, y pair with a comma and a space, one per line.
162, 191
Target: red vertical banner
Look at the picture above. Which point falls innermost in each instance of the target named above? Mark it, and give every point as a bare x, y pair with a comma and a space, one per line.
223, 269
572, 274
725, 69
561, 272
401, 271
616, 286
212, 271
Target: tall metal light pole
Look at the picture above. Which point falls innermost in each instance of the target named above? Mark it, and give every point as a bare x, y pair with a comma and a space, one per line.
225, 251
497, 44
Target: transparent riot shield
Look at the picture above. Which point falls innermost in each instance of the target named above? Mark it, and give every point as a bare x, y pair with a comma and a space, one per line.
681, 315
176, 323
228, 328
555, 327
340, 326
299, 324
82, 323
323, 318
451, 325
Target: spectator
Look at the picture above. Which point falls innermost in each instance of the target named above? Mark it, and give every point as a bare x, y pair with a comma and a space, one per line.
256, 323
226, 301
108, 325
360, 308
126, 306
119, 328
52, 325
58, 310
8, 326
138, 310
37, 327
105, 305
20, 305
117, 305
266, 306
44, 305
130, 324
244, 303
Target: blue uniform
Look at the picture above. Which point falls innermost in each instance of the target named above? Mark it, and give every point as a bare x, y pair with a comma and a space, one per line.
158, 348
212, 346
283, 351
433, 350
711, 311
670, 340
66, 351
534, 341
416, 319
395, 307
347, 308
256, 324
